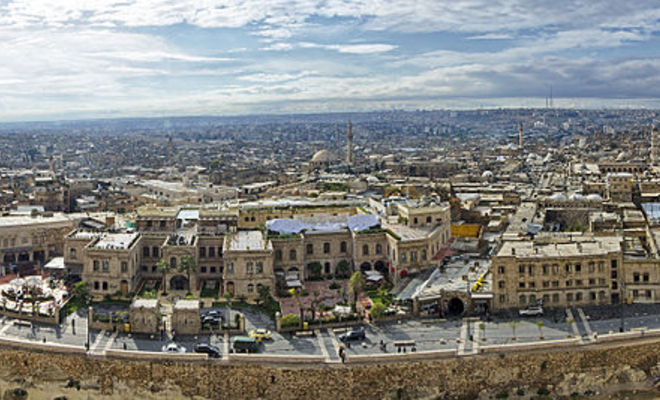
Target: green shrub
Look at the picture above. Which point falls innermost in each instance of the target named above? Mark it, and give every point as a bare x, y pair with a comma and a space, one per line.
543, 392
502, 395
290, 320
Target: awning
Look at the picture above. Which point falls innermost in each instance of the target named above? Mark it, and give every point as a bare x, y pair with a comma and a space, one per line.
55, 263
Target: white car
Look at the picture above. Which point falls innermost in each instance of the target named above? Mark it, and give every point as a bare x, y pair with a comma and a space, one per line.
173, 348
531, 311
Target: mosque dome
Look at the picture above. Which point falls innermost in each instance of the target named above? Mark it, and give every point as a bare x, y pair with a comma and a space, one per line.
323, 156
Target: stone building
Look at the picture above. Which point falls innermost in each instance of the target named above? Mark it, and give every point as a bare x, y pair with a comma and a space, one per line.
185, 317
29, 241
248, 260
559, 271
144, 316
110, 263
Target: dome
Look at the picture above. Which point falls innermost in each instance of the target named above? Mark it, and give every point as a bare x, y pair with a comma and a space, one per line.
575, 196
558, 196
594, 197
622, 156
322, 156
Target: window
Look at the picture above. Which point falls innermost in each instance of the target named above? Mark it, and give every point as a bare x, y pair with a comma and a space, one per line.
522, 300
532, 299
555, 269
96, 285
105, 285
219, 251
531, 269
546, 284
569, 296
173, 262
592, 268
601, 266
601, 281
647, 293
578, 268
614, 275
154, 251
578, 296
249, 267
592, 296
636, 276
532, 284
379, 248
211, 251
278, 255
500, 270
501, 284
105, 266
544, 269
230, 268
326, 248
310, 248
413, 256
423, 254
613, 263
73, 254
555, 283
546, 298
124, 266
568, 268
260, 267
342, 247
250, 288
292, 254
578, 282
555, 298
415, 220
202, 252
145, 251
403, 256
645, 277
592, 281
163, 224
521, 285
365, 250
521, 269
635, 293
327, 268
502, 298
569, 283
202, 270
145, 268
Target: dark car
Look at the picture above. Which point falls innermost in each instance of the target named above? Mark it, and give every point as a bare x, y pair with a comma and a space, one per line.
211, 350
213, 321
353, 334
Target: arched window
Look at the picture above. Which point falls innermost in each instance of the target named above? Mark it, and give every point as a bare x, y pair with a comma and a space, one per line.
73, 254
522, 300
250, 288
310, 248
326, 248
379, 248
173, 262
365, 250
342, 247
292, 254
278, 255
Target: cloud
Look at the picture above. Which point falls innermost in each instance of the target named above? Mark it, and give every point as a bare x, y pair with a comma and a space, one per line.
491, 36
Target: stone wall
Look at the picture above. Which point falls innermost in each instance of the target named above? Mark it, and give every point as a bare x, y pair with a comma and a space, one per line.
559, 370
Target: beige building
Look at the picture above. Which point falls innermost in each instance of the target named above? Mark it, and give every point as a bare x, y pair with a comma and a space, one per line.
185, 317
248, 263
110, 263
560, 271
144, 316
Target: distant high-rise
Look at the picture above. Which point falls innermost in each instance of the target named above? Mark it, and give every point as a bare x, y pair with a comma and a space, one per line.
654, 144
349, 144
520, 135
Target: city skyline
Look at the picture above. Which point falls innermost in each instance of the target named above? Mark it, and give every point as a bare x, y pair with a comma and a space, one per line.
105, 59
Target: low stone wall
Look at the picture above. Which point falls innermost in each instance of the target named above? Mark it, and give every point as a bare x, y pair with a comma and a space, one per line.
30, 317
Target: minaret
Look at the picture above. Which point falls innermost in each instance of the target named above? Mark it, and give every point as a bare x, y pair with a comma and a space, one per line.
654, 144
520, 135
349, 144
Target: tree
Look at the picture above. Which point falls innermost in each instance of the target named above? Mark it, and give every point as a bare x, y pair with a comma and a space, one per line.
356, 284
315, 269
513, 325
343, 269
315, 303
188, 266
81, 291
290, 320
163, 268
540, 325
297, 293
377, 310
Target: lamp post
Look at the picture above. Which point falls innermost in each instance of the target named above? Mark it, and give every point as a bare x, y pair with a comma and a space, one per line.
89, 333
622, 328
469, 334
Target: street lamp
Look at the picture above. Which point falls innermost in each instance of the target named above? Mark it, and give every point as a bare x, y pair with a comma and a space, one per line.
89, 333
622, 328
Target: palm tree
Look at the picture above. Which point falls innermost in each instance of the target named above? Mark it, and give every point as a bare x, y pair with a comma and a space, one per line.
188, 266
315, 303
163, 268
356, 284
297, 293
513, 325
540, 325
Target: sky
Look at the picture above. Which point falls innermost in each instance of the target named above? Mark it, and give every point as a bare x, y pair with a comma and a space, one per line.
70, 59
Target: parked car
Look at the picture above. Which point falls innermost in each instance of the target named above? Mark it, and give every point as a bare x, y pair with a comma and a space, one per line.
245, 344
531, 311
211, 350
353, 334
213, 321
173, 348
260, 334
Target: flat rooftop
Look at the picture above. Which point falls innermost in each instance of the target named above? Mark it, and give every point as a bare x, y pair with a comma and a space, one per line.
115, 241
247, 240
528, 249
408, 233
25, 220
